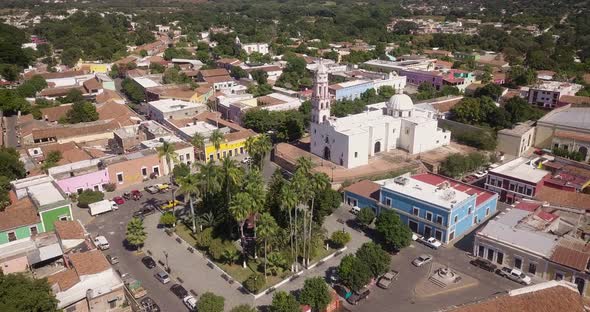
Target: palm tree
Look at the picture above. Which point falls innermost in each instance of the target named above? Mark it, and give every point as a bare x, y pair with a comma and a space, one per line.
231, 255
135, 233
189, 186
209, 176
240, 208
166, 150
216, 138
251, 148
289, 202
318, 183
198, 141
305, 164
263, 147
232, 175
206, 219
267, 228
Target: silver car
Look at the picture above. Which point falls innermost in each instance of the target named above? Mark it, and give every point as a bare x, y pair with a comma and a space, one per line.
422, 260
163, 277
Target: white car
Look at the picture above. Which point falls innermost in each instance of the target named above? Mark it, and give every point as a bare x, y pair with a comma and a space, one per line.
481, 174
101, 243
114, 205
246, 160
355, 210
432, 243
422, 260
190, 302
515, 275
415, 236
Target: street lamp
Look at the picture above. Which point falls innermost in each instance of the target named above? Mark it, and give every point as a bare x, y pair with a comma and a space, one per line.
167, 267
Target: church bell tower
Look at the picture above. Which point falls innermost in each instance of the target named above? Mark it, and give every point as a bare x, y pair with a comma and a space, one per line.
320, 100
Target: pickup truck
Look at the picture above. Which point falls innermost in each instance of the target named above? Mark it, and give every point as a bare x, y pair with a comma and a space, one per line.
135, 288
387, 279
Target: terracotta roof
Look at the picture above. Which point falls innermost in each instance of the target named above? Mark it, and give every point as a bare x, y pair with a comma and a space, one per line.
60, 91
215, 79
554, 299
239, 135
446, 106
64, 279
269, 101
137, 72
69, 229
69, 131
52, 114
92, 84
157, 59
229, 61
444, 64
70, 152
214, 72
181, 92
365, 188
21, 212
563, 198
109, 95
119, 113
574, 99
72, 73
499, 76
126, 60
90, 262
572, 135
571, 253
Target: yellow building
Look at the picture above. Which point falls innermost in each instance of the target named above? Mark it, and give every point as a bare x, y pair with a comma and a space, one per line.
94, 67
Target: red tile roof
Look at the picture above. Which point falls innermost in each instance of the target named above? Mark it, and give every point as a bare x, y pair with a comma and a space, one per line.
21, 212
571, 253
64, 279
90, 262
365, 188
527, 206
69, 230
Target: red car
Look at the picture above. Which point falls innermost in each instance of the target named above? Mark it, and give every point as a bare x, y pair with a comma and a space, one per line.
119, 200
136, 194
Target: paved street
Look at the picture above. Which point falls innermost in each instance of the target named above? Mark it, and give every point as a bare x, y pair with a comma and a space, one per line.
10, 137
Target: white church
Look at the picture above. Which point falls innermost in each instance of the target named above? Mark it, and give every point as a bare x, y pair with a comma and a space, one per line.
350, 141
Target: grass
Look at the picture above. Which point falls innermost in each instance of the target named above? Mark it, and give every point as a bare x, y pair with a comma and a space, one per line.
323, 253
185, 233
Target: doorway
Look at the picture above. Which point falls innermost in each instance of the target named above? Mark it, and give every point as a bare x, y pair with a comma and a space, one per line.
377, 148
427, 232
327, 153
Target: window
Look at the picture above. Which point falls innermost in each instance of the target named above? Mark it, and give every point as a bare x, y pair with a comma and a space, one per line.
144, 171
120, 177
456, 219
356, 154
388, 201
230, 153
211, 157
438, 234
481, 251
512, 187
11, 236
181, 157
500, 258
33, 230
188, 156
79, 190
224, 154
96, 188
439, 219
452, 236
517, 263
533, 268
428, 215
520, 189
470, 211
112, 303
474, 219
559, 276
487, 212
241, 150
218, 156
416, 211
490, 255
529, 191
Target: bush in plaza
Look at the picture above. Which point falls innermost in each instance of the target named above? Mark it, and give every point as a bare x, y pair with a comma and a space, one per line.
366, 216
283, 301
110, 187
210, 302
375, 257
204, 238
88, 197
243, 308
340, 238
254, 283
315, 293
218, 248
168, 219
353, 272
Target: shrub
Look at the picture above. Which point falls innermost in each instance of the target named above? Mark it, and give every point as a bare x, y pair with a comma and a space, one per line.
110, 187
254, 283
88, 197
204, 238
218, 247
168, 219
340, 238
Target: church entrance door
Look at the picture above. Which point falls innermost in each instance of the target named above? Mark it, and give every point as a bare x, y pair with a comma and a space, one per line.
327, 153
377, 148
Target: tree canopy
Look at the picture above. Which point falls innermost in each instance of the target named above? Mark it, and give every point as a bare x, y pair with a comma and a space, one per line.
315, 293
22, 293
210, 302
394, 232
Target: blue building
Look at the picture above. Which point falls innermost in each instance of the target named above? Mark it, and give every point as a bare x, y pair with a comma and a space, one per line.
431, 205
350, 90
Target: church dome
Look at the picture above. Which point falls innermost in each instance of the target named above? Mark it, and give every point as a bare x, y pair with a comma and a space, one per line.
400, 101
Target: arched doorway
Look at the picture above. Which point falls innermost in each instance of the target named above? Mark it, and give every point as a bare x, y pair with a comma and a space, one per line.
377, 148
327, 153
581, 283
584, 151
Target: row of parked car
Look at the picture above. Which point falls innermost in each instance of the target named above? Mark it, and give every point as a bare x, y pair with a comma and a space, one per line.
355, 297
507, 272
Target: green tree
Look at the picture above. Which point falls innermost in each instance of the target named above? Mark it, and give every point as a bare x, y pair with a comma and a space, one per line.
375, 257
238, 72
340, 238
260, 76
23, 293
231, 255
88, 197
209, 302
315, 293
133, 90
168, 152
70, 56
73, 96
81, 112
366, 216
181, 170
198, 141
168, 219
135, 234
468, 111
394, 232
255, 283
491, 90
353, 272
190, 186
232, 176
10, 165
283, 301
51, 160
276, 262
243, 308
216, 138
266, 228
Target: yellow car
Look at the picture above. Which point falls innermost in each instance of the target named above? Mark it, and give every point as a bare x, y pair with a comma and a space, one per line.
170, 204
163, 187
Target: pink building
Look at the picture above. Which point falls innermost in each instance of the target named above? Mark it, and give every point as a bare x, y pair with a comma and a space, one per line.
76, 177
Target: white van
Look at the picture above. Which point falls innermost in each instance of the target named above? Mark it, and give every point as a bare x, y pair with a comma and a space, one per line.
355, 210
101, 243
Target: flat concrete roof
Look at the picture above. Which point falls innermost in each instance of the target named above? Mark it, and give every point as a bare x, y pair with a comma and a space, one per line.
171, 105
577, 117
522, 169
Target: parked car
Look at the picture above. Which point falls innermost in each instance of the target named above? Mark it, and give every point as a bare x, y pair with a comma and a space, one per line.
144, 212
355, 210
515, 275
149, 262
416, 237
113, 259
422, 260
163, 277
480, 174
387, 278
332, 275
152, 189
119, 200
484, 264
179, 291
101, 243
162, 187
190, 302
358, 296
136, 194
149, 305
170, 204
431, 242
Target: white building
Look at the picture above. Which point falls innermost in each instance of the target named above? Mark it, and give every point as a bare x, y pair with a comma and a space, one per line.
547, 93
261, 48
351, 140
173, 109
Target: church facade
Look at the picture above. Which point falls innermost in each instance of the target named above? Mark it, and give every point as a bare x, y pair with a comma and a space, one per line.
350, 141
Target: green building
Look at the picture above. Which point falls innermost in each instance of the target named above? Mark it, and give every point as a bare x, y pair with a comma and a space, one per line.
466, 56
